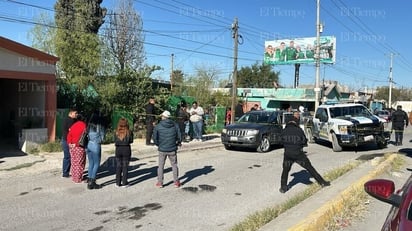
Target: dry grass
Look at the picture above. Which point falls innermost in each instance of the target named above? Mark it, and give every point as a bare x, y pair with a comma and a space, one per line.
260, 218
354, 208
356, 205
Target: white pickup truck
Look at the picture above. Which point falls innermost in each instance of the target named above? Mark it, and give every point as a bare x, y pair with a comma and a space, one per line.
347, 125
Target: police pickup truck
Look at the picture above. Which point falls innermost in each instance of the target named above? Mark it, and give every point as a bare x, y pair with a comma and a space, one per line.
347, 125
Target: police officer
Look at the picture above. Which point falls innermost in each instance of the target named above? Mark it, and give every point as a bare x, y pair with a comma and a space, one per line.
294, 139
399, 121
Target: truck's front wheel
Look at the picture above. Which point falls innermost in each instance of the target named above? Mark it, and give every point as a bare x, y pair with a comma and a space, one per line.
309, 135
381, 142
335, 144
264, 145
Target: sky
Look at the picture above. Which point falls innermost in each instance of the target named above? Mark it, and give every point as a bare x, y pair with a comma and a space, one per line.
198, 34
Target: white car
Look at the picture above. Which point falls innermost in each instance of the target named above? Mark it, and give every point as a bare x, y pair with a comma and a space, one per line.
347, 125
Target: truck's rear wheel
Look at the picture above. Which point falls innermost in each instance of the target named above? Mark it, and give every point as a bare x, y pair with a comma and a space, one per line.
335, 144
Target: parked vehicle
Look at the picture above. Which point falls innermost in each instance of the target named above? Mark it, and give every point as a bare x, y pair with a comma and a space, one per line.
347, 125
400, 215
384, 114
258, 129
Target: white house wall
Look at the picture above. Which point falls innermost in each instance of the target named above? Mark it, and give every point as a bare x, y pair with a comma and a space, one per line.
11, 61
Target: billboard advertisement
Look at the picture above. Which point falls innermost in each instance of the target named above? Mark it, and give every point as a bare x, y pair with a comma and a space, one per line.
299, 50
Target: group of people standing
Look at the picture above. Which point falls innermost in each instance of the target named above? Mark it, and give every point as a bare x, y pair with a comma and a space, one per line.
167, 135
74, 159
185, 117
74, 153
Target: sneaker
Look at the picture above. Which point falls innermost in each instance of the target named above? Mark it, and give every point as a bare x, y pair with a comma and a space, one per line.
177, 184
125, 186
325, 184
159, 184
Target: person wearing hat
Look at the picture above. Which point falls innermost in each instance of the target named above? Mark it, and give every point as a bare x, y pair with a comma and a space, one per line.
399, 121
167, 137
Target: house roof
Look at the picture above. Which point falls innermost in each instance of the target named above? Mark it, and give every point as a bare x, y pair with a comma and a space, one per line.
330, 88
27, 51
285, 94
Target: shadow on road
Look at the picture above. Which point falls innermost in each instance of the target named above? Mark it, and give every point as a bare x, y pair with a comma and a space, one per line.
145, 174
360, 148
190, 175
302, 176
108, 168
370, 156
9, 149
406, 151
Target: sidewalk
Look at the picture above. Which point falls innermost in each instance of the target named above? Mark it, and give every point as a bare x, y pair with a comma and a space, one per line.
315, 211
35, 163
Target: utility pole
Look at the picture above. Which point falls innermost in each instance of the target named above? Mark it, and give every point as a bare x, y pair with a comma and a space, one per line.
235, 27
171, 72
317, 55
297, 66
390, 82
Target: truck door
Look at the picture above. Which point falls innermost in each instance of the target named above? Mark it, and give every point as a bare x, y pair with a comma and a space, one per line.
320, 123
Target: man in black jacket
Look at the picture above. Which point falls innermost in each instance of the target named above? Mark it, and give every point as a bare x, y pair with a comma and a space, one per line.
150, 120
67, 123
399, 121
294, 140
167, 138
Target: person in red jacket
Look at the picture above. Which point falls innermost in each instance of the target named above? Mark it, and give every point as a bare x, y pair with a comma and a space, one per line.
77, 153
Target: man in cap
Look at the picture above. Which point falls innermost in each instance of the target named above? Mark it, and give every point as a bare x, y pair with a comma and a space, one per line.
167, 137
399, 121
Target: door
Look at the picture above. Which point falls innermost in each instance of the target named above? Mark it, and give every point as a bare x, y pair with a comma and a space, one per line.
320, 123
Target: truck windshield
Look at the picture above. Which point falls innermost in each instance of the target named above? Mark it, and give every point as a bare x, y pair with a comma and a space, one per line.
351, 111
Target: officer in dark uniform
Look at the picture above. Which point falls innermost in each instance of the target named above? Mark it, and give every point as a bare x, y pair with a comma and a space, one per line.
150, 120
399, 121
294, 139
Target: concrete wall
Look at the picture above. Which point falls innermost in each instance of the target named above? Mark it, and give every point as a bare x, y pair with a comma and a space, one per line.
12, 61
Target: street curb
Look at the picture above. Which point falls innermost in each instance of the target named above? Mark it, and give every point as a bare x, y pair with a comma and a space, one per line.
154, 152
321, 216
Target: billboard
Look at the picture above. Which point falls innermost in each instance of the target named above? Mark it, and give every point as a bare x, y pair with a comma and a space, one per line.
299, 50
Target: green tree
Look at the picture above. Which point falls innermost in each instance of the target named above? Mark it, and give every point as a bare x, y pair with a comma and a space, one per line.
77, 43
131, 90
257, 76
403, 94
178, 82
42, 35
382, 93
200, 85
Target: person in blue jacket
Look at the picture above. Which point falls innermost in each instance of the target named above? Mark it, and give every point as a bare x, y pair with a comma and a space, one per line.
167, 137
96, 131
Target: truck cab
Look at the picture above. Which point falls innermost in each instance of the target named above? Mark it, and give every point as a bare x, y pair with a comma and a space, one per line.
347, 125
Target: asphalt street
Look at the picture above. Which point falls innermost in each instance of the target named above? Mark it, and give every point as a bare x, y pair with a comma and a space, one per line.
220, 188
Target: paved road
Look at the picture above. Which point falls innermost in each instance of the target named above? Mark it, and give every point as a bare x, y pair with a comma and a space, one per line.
220, 188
